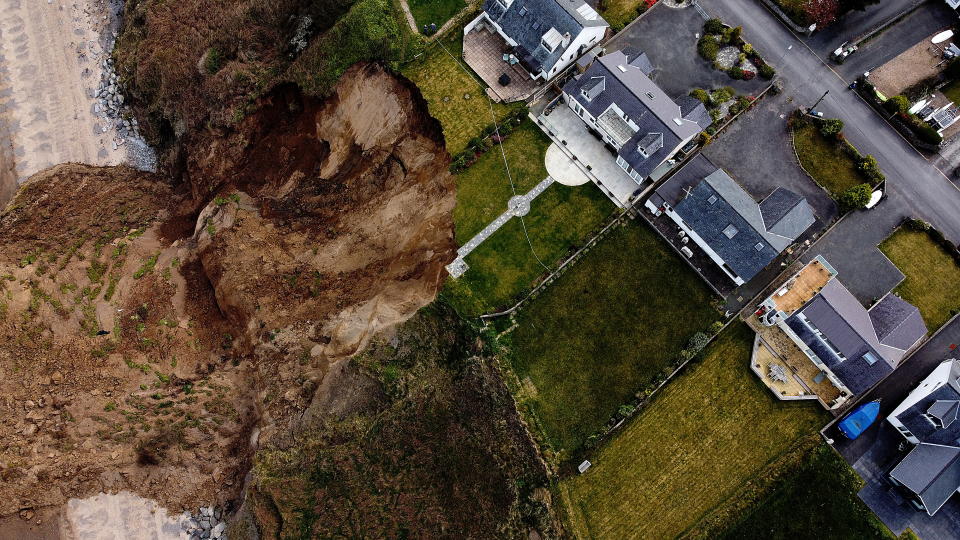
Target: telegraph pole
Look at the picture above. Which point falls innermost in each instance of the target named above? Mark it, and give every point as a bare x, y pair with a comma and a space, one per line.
819, 100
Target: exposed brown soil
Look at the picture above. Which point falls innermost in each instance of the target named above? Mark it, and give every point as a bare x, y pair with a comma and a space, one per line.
219, 332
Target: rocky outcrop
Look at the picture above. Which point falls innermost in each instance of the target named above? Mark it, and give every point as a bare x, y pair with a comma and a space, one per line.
345, 221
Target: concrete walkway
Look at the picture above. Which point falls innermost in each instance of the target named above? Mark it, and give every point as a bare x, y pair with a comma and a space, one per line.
518, 205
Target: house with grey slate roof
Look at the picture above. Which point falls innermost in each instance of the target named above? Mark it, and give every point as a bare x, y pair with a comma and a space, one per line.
853, 347
928, 418
544, 36
736, 232
621, 105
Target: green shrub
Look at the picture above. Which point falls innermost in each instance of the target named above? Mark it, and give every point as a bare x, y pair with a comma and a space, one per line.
625, 411
926, 133
856, 197
747, 49
708, 48
897, 104
736, 73
713, 26
767, 71
871, 169
831, 127
918, 225
214, 61
701, 95
721, 95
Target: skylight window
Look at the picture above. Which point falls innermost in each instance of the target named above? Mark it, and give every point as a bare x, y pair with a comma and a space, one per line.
712, 199
870, 358
730, 231
523, 11
759, 246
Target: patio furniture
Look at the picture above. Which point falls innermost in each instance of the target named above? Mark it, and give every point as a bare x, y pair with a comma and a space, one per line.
506, 57
503, 80
777, 373
819, 378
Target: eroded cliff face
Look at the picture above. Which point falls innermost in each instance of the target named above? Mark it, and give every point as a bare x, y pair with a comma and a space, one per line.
348, 225
153, 336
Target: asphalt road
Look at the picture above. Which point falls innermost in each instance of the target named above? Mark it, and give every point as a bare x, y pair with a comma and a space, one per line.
926, 20
916, 188
858, 23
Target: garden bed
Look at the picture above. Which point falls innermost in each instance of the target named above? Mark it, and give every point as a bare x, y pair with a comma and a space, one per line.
725, 47
834, 163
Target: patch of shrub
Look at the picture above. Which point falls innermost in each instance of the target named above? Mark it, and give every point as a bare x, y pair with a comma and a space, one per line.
767, 71
701, 95
708, 48
713, 26
721, 95
918, 225
871, 169
897, 104
735, 73
214, 61
856, 197
926, 133
831, 127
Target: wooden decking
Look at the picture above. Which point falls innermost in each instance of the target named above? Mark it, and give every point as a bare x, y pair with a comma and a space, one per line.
763, 360
798, 363
804, 286
483, 51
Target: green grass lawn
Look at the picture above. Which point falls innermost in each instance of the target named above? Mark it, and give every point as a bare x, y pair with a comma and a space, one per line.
710, 431
604, 330
454, 96
825, 161
620, 12
818, 500
434, 11
952, 91
561, 218
931, 275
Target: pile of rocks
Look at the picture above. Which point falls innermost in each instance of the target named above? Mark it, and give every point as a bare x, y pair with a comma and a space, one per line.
110, 105
208, 523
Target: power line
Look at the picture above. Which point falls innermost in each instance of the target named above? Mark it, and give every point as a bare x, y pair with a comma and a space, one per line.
503, 154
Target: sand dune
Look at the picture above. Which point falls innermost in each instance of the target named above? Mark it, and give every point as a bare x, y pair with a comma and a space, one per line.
50, 53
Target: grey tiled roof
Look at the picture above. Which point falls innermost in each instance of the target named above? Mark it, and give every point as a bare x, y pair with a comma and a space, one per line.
945, 411
709, 220
643, 101
922, 428
898, 322
854, 371
786, 214
886, 331
932, 472
693, 109
537, 17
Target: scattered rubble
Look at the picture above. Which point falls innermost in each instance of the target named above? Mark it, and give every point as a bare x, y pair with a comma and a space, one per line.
209, 523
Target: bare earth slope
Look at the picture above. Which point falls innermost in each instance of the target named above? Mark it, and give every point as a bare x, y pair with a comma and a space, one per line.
151, 348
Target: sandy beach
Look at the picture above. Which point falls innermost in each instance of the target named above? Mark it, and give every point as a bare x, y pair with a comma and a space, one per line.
50, 67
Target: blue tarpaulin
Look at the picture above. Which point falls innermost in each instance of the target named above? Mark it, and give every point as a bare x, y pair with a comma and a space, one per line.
860, 419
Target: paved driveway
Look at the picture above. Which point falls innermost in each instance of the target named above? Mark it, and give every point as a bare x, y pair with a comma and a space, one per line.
668, 36
922, 22
856, 24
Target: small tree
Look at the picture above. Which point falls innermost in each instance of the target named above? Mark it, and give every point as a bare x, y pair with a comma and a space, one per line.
713, 26
625, 411
897, 104
701, 95
831, 127
856, 197
871, 169
708, 48
821, 12
767, 71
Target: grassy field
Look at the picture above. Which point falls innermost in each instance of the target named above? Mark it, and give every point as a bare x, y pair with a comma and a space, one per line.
620, 12
434, 11
825, 161
604, 330
454, 96
710, 431
818, 500
931, 275
562, 217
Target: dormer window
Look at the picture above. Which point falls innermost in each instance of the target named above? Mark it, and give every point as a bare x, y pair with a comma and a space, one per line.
551, 39
593, 88
649, 144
